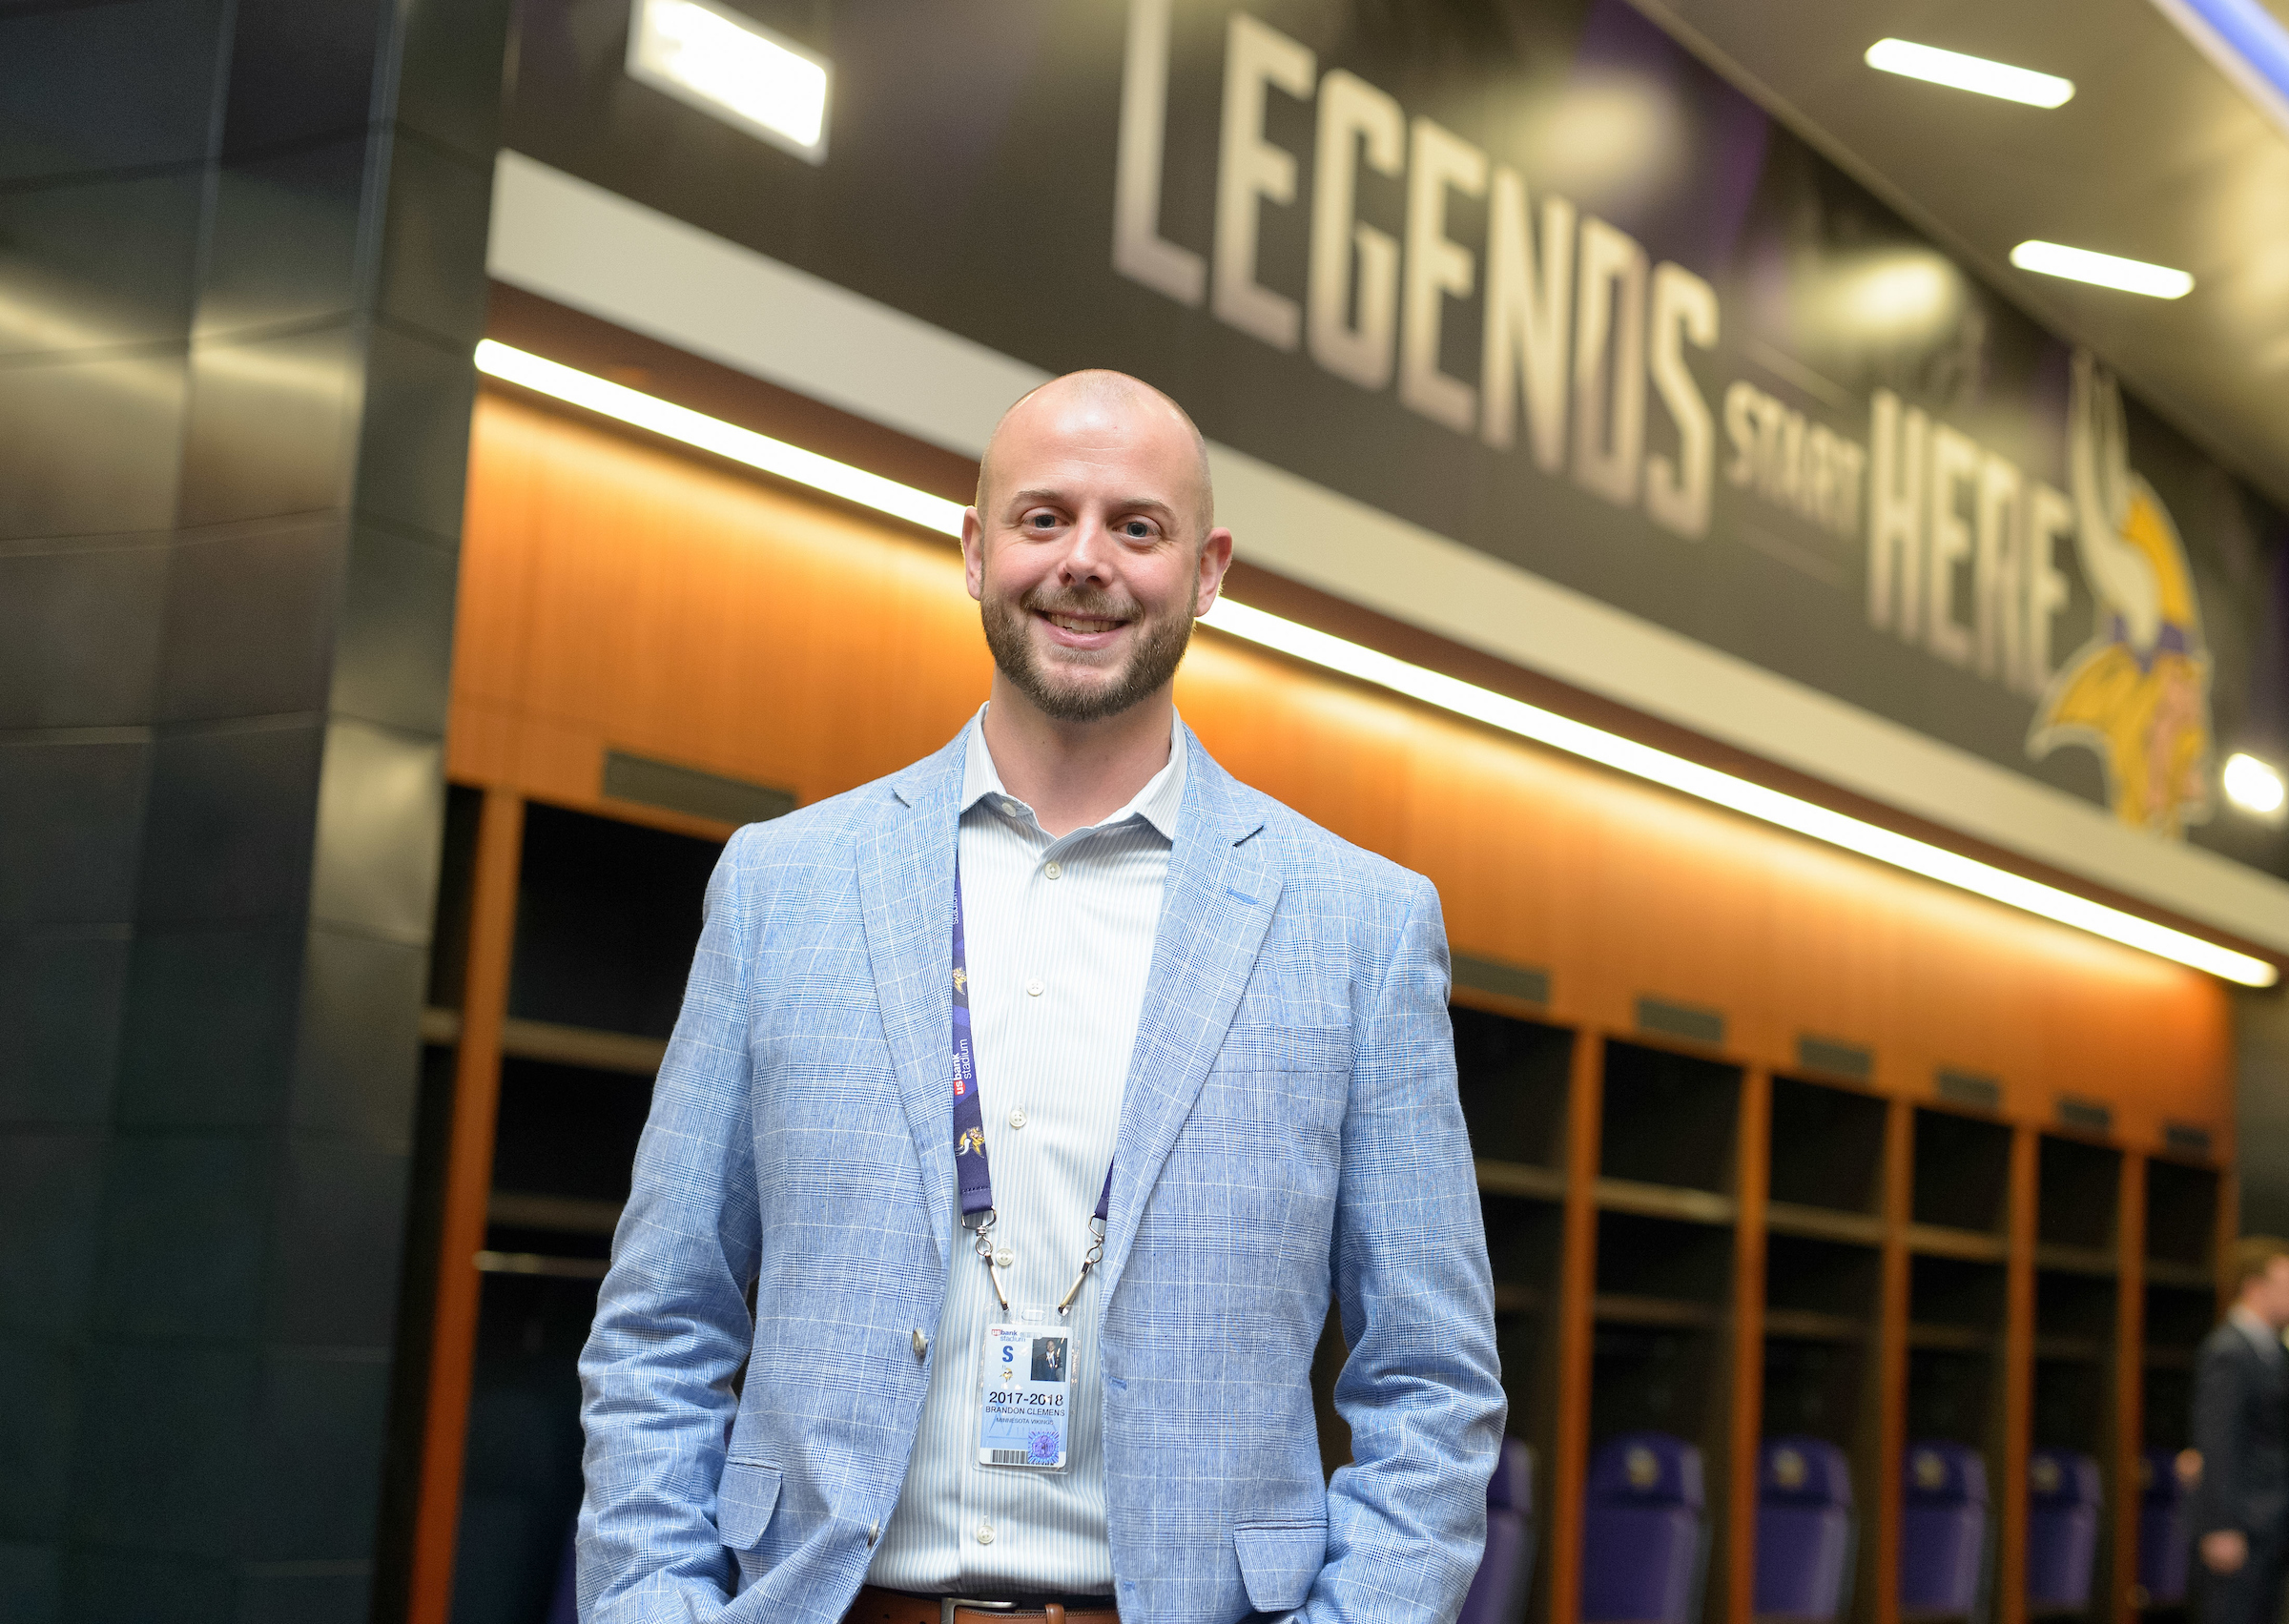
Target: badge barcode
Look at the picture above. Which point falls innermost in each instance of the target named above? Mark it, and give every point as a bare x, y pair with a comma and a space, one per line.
1008, 1457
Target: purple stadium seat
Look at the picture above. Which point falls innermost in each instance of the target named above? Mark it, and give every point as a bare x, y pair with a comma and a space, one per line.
1641, 1555
1497, 1595
1943, 1531
1804, 1530
2163, 1547
2062, 1530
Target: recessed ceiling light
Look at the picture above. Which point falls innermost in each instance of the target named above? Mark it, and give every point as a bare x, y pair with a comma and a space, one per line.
1417, 682
2105, 270
2256, 788
1958, 71
735, 68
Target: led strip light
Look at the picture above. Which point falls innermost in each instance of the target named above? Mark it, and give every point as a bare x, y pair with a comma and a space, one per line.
1417, 682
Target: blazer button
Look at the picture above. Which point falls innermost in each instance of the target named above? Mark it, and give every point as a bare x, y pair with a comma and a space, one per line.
873, 1532
921, 1343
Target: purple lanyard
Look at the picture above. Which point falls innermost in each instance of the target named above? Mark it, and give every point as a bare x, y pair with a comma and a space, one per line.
969, 1126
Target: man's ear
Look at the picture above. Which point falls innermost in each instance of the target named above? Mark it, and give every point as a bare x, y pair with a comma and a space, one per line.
973, 552
1215, 558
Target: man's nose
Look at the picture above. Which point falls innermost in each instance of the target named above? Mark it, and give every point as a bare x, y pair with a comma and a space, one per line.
1088, 555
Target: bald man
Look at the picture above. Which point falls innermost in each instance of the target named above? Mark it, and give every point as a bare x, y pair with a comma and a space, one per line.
1026, 1110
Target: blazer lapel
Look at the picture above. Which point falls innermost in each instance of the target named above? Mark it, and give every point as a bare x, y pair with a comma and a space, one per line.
1221, 891
906, 898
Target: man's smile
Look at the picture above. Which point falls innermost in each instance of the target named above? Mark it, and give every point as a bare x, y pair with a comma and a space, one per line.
1079, 632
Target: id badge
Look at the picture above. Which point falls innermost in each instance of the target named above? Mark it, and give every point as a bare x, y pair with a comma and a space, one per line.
1024, 1404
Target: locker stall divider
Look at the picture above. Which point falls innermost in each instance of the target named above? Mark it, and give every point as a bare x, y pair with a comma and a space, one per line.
1751, 1189
2129, 1387
2018, 1378
468, 1184
1577, 1290
1893, 1315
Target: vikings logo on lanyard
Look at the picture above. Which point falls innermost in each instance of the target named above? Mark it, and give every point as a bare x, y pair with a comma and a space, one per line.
1024, 1380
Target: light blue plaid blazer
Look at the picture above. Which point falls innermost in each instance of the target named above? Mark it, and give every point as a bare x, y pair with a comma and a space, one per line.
1290, 1126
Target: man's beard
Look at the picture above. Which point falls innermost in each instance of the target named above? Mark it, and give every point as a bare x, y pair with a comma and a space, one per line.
1158, 652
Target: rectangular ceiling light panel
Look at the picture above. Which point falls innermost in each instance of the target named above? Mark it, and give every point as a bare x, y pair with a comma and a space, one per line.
2102, 270
1418, 683
1958, 71
734, 68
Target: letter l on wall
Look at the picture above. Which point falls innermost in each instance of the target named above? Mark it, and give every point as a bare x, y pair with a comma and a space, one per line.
1139, 252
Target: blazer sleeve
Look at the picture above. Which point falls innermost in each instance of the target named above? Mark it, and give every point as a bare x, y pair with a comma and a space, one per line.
1422, 1389
672, 1327
2220, 1376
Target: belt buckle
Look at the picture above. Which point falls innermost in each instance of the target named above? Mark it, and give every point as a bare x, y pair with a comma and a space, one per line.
947, 1604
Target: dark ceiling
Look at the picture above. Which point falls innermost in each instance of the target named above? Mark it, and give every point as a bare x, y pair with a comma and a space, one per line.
2157, 156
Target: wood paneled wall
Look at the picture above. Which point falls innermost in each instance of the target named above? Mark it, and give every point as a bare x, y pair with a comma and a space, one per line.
619, 593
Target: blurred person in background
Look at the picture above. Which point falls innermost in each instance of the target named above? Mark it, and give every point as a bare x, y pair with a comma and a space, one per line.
2241, 1509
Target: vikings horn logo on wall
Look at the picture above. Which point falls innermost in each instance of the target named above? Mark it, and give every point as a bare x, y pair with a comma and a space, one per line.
2138, 692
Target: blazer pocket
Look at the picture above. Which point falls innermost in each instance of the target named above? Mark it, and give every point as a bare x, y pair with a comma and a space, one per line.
743, 1502
1279, 1561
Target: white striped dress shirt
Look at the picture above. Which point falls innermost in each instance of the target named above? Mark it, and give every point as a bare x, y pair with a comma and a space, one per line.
1058, 935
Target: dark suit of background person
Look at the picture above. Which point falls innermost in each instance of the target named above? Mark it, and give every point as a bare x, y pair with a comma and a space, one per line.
2240, 1520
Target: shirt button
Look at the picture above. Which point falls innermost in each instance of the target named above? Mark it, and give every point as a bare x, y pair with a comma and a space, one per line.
1032, 988
1051, 870
1017, 1118
1009, 809
985, 1533
1004, 1258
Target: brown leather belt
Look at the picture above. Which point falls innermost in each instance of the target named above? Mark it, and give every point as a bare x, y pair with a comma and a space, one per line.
895, 1607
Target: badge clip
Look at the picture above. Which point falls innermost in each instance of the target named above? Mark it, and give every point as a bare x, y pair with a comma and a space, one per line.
1090, 1258
984, 1247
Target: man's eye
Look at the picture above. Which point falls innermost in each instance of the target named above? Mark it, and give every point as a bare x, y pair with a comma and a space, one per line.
1042, 521
1137, 530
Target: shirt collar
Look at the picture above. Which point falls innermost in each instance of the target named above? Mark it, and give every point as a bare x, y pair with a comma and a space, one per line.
2268, 1341
1157, 803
